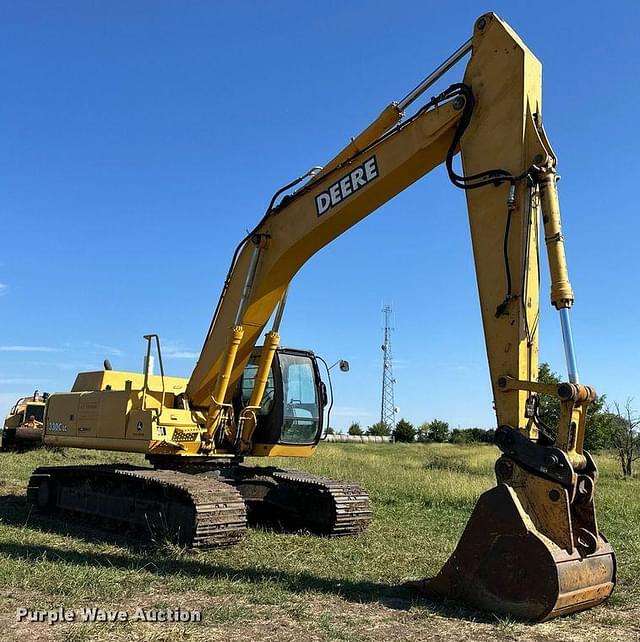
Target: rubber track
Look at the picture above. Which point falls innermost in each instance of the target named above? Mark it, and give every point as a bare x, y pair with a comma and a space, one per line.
215, 512
351, 508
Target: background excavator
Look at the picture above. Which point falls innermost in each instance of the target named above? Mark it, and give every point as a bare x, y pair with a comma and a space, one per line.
532, 548
24, 425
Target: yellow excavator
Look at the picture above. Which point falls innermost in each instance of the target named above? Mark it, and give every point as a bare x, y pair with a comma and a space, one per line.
23, 426
532, 548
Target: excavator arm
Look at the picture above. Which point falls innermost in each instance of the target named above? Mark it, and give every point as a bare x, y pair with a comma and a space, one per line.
532, 547
494, 119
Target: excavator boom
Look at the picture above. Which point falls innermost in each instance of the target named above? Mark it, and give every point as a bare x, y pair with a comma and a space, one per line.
494, 118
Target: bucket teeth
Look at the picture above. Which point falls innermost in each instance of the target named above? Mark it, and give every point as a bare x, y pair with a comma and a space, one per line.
504, 564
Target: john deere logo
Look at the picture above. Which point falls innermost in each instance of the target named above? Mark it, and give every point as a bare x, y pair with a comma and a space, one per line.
346, 186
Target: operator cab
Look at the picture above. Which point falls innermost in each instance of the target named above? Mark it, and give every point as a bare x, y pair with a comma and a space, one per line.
293, 403
34, 411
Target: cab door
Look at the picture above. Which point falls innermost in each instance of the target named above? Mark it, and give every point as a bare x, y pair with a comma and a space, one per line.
292, 406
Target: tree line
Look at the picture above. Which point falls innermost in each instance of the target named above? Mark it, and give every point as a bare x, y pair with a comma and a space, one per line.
436, 430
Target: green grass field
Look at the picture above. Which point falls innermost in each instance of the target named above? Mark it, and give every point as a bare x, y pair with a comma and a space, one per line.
277, 586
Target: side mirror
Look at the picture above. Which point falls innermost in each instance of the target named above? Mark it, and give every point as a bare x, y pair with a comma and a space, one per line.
342, 363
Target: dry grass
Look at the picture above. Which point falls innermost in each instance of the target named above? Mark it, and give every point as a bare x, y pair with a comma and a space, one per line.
295, 586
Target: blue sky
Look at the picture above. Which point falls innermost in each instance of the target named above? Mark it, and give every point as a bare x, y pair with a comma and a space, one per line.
141, 139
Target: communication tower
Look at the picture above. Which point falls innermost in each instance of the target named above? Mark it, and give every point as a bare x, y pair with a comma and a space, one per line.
388, 408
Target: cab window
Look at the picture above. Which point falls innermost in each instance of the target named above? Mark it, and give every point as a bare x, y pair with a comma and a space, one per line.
301, 405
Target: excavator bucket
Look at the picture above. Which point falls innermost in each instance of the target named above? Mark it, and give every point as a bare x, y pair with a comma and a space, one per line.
505, 563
